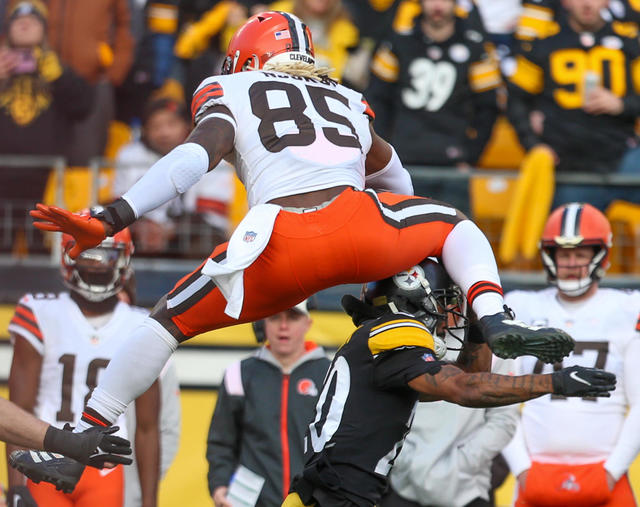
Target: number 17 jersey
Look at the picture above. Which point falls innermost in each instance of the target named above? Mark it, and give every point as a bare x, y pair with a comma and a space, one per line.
293, 134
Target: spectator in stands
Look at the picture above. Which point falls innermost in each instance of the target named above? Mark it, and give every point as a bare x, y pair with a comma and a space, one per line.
573, 452
40, 100
165, 124
575, 91
447, 455
334, 33
94, 38
433, 91
264, 406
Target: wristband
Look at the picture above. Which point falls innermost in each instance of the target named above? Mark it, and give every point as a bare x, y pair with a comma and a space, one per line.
119, 214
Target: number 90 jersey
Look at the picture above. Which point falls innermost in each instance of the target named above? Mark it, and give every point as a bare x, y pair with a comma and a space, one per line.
74, 353
366, 408
293, 134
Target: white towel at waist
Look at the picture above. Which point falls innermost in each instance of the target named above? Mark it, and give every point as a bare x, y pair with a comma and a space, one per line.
246, 244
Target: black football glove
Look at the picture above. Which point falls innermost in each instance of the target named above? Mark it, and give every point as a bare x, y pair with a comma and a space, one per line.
94, 447
20, 496
580, 381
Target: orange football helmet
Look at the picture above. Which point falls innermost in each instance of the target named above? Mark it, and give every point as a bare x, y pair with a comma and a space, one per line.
100, 272
570, 226
269, 36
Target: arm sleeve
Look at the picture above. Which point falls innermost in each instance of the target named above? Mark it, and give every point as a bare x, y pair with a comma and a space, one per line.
395, 368
628, 444
632, 100
223, 442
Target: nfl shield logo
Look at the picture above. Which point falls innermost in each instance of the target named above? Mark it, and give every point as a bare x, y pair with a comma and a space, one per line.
249, 236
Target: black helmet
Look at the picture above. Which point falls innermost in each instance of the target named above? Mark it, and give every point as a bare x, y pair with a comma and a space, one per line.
425, 291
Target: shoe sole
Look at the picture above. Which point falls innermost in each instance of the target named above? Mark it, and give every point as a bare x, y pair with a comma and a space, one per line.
549, 349
64, 485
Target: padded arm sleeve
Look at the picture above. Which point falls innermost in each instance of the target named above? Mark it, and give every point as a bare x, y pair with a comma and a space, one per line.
391, 178
170, 176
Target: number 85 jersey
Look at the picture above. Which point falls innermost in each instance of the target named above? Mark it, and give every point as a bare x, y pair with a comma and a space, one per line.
292, 134
74, 352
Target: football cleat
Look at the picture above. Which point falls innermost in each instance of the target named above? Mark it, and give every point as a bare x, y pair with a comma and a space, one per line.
508, 338
64, 473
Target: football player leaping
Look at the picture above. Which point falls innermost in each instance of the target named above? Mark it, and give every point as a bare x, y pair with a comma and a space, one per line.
62, 342
305, 149
390, 362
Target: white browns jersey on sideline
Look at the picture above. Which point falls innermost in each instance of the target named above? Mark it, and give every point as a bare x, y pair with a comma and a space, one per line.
574, 430
278, 152
74, 353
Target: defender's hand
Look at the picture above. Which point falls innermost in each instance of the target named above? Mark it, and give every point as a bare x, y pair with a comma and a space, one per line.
580, 381
87, 231
93, 447
20, 496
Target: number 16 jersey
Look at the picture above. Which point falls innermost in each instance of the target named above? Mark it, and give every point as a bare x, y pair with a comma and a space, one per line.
293, 134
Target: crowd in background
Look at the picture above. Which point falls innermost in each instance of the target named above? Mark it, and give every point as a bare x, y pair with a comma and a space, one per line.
446, 79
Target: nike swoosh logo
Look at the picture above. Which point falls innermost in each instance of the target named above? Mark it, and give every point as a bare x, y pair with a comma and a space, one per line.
574, 376
106, 471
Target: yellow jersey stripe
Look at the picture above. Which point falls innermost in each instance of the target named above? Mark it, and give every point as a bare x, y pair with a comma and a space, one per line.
528, 76
396, 322
398, 337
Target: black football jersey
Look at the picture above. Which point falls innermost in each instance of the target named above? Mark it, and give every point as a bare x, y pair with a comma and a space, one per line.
539, 18
552, 76
366, 408
428, 96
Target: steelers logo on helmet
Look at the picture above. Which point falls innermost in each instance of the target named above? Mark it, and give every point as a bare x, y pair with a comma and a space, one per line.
409, 280
425, 291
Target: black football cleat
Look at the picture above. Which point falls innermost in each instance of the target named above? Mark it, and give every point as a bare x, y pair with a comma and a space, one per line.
64, 473
508, 338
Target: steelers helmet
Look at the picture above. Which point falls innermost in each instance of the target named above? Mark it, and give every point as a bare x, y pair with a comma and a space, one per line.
425, 291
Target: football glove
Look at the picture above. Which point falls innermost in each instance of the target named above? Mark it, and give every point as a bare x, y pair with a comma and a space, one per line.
87, 231
580, 381
94, 447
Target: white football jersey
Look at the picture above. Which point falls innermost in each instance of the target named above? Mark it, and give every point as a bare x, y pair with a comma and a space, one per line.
573, 430
74, 353
293, 134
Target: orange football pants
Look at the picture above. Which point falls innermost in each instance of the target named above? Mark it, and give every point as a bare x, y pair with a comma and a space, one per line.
104, 488
557, 485
355, 239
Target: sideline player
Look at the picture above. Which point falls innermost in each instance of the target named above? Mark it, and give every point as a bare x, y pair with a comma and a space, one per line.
61, 344
304, 147
554, 453
369, 395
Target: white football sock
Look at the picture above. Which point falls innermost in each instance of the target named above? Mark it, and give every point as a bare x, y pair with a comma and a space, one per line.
468, 258
133, 369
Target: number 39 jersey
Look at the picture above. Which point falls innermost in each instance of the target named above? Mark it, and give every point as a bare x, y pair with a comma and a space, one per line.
293, 134
365, 408
604, 328
74, 353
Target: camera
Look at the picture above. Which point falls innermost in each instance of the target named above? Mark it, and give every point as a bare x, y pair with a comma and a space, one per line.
26, 62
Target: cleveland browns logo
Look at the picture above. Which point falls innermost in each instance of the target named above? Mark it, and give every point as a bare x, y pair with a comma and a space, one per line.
307, 387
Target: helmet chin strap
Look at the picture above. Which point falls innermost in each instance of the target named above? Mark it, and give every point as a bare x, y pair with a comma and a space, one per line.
574, 288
